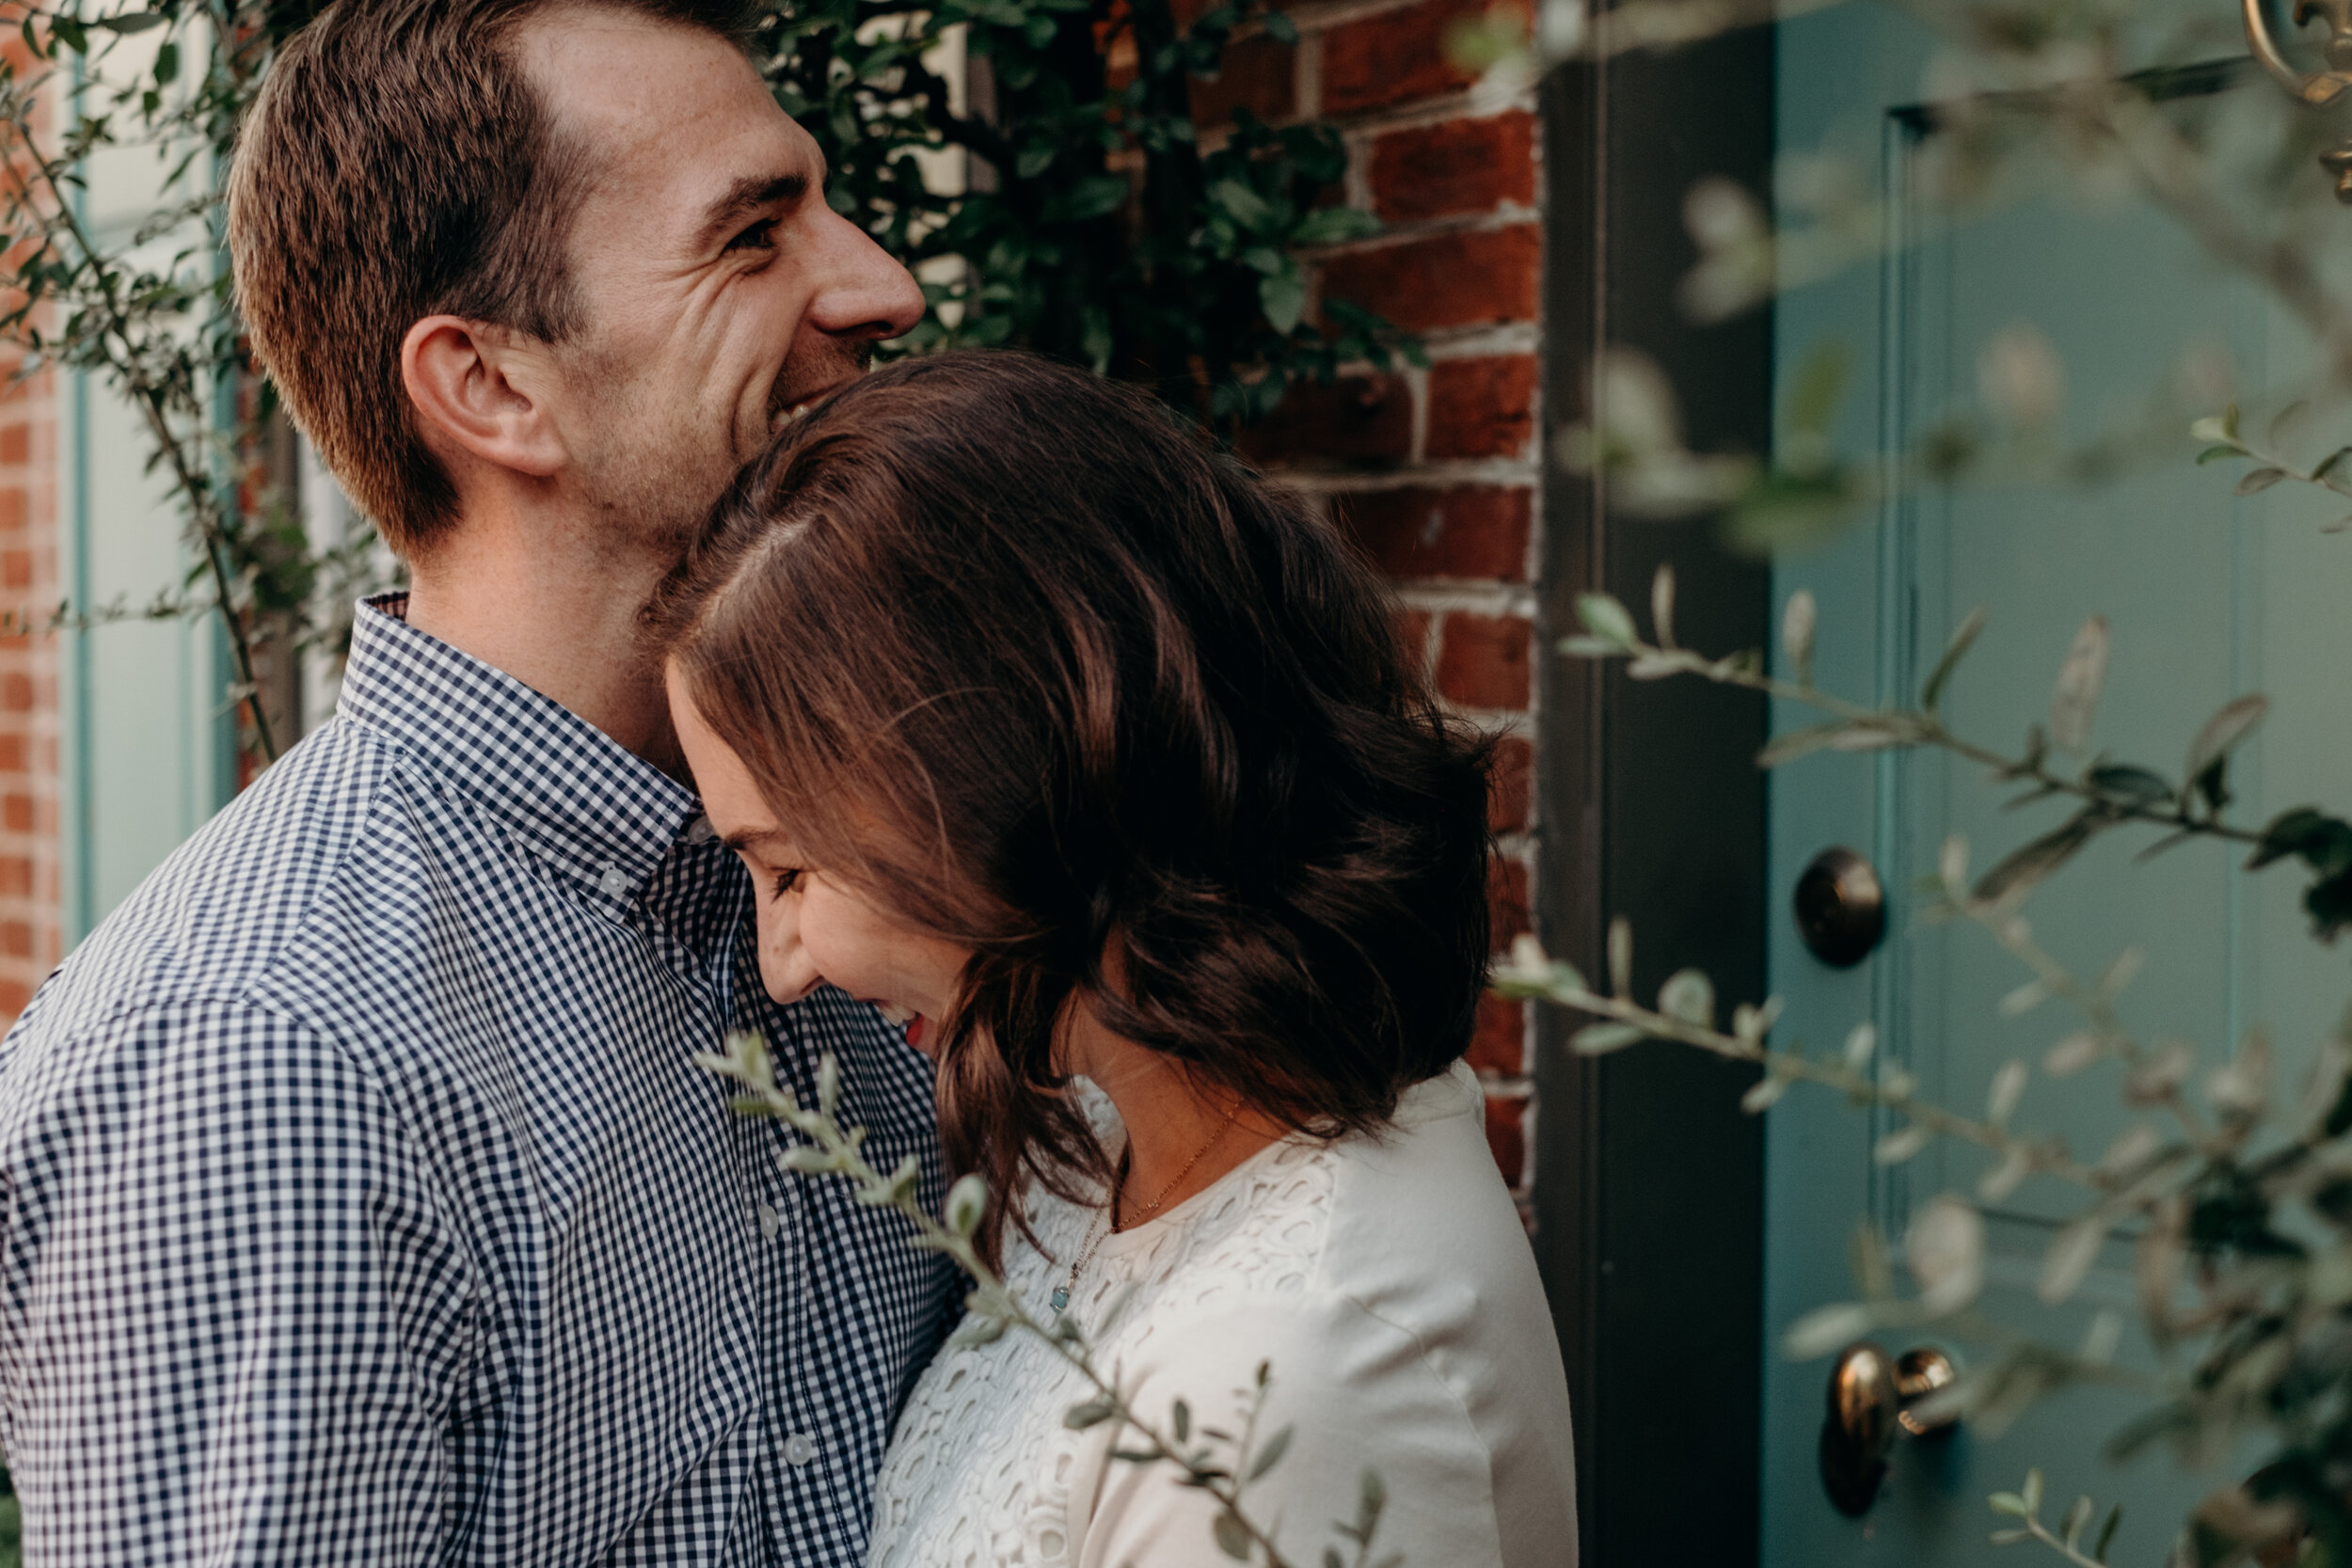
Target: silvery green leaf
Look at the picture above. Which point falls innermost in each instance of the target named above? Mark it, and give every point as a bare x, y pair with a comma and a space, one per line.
1232, 1538
1661, 604
1898, 1147
1653, 667
1799, 623
2133, 1147
806, 1160
2033, 1492
967, 1205
2257, 481
1271, 1455
134, 21
1932, 692
2072, 1055
2216, 427
2070, 1257
2099, 1342
1951, 865
2326, 467
2223, 731
2242, 1088
1180, 1417
1598, 1039
2027, 867
2009, 1086
1606, 619
1862, 1043
2025, 999
2160, 1074
2120, 973
828, 1084
2075, 697
1089, 1413
2005, 1177
1800, 742
1826, 1330
1688, 996
1591, 647
2009, 1503
977, 1332
1621, 957
1945, 1248
1763, 1094
1896, 1082
2008, 1537
2282, 422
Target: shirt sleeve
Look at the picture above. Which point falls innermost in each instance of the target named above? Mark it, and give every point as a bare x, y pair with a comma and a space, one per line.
234, 1318
1355, 1394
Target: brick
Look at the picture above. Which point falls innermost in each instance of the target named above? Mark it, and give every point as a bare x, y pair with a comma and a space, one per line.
16, 812
16, 568
16, 876
1482, 407
1499, 1043
1459, 166
1358, 419
1396, 57
16, 444
1483, 660
1513, 792
16, 939
1259, 74
14, 995
15, 508
1506, 1136
1461, 279
1463, 531
1506, 902
16, 693
1412, 634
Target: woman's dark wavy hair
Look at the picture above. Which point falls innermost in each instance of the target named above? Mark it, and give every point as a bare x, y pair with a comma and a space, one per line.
1011, 652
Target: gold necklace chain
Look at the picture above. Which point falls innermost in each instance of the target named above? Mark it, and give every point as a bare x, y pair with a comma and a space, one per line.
1094, 1237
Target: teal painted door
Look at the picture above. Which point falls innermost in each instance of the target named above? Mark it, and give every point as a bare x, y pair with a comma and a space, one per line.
2206, 597
146, 737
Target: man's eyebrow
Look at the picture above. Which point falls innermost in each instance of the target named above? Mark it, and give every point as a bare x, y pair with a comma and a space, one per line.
748, 196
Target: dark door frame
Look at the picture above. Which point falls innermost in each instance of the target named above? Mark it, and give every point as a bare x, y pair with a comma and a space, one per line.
1648, 1185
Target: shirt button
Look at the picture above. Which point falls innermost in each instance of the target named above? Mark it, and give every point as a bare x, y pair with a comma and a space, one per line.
770, 1221
798, 1449
700, 830
614, 882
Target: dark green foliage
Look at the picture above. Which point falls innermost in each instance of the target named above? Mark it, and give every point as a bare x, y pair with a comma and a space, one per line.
1095, 227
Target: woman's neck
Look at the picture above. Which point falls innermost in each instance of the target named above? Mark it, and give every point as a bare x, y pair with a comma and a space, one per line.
1182, 1137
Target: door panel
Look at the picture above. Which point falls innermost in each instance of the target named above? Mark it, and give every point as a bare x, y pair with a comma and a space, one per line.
2206, 597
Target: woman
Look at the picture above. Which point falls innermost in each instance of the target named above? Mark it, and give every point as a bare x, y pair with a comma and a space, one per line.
1097, 756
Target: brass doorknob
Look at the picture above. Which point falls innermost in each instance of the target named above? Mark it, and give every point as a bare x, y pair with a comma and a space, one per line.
1841, 908
1873, 1401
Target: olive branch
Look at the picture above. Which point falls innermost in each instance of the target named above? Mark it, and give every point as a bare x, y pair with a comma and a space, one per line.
1223, 1465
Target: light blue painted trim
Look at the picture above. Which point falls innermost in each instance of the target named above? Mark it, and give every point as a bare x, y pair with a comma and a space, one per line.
77, 868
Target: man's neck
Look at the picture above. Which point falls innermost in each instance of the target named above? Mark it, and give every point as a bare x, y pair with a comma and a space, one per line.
561, 621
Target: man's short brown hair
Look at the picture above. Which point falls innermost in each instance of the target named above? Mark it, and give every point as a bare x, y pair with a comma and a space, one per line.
398, 164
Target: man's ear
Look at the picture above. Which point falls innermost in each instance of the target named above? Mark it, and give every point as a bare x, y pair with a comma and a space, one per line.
471, 384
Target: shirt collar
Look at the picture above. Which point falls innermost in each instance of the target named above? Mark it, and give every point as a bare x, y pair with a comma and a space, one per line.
570, 793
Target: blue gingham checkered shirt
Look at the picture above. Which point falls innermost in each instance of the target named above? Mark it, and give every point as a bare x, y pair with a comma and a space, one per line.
363, 1203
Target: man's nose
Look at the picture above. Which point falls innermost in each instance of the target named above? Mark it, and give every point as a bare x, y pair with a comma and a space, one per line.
864, 293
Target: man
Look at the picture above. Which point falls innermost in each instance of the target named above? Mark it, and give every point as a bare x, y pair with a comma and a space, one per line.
362, 1202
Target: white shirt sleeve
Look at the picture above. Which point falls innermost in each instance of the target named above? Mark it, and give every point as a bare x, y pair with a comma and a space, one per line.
1353, 1393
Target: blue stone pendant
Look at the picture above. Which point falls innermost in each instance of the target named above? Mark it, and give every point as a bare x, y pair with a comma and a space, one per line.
1060, 1297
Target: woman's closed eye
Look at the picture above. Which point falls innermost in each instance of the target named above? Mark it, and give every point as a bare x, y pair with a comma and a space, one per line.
785, 881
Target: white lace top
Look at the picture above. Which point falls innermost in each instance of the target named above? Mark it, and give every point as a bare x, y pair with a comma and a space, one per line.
1388, 1286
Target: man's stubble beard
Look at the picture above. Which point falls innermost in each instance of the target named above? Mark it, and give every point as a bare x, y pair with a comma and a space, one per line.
656, 480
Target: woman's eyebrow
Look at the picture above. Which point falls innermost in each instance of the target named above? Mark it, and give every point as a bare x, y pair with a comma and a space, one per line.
754, 837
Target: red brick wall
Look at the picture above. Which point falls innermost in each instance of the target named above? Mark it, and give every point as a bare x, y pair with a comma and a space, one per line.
31, 889
1433, 470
